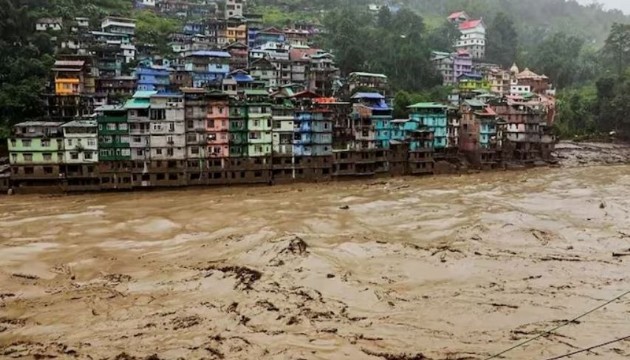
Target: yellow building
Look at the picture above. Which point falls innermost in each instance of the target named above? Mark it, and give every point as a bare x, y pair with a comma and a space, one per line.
66, 86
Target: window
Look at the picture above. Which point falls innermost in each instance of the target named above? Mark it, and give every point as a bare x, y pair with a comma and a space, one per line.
26, 143
210, 124
74, 156
190, 124
158, 151
169, 152
139, 152
194, 150
111, 126
14, 157
45, 143
171, 127
28, 157
47, 156
122, 126
88, 155
69, 142
48, 170
91, 142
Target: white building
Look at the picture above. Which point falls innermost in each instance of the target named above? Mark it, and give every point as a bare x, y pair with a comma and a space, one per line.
117, 25
80, 138
234, 8
473, 38
167, 127
45, 24
129, 52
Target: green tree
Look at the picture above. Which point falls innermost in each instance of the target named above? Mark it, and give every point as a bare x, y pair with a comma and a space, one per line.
502, 41
25, 60
617, 47
443, 38
558, 57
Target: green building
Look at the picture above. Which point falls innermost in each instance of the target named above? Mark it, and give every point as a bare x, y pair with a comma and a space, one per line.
113, 133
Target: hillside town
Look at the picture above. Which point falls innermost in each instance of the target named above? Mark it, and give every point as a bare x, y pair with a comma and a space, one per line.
240, 103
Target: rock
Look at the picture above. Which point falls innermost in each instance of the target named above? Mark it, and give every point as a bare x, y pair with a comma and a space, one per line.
330, 276
602, 205
344, 207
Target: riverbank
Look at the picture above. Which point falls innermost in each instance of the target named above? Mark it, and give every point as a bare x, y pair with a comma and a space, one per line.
450, 267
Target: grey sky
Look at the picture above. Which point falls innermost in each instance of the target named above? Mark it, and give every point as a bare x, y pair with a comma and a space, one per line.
624, 5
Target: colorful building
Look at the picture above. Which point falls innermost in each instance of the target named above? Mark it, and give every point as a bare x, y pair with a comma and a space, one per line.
114, 148
433, 116
36, 155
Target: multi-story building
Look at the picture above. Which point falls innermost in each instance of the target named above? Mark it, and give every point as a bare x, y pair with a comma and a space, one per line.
322, 72
116, 88
118, 25
259, 129
153, 78
478, 134
139, 130
236, 30
36, 156
498, 80
412, 150
239, 56
80, 159
473, 38
297, 37
365, 154
452, 65
363, 80
74, 88
208, 68
195, 114
233, 8
473, 34
432, 116
114, 151
264, 70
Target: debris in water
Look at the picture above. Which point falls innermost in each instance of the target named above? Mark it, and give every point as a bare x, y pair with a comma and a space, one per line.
344, 207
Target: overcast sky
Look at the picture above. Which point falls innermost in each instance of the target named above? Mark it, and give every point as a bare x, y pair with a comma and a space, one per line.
624, 5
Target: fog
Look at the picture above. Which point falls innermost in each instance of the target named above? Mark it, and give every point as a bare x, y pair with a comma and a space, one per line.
623, 5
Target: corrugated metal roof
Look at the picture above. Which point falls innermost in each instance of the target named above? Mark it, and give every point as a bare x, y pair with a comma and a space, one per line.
37, 124
69, 63
368, 75
367, 95
427, 105
80, 123
144, 94
220, 54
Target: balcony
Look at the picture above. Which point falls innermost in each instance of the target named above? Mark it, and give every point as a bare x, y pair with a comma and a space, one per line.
112, 119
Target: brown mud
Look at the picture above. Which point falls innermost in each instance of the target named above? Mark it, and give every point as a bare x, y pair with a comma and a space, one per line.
448, 267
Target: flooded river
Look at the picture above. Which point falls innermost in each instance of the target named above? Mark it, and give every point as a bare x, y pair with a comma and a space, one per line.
448, 267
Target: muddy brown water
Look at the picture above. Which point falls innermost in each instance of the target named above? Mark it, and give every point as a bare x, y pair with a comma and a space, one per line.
453, 267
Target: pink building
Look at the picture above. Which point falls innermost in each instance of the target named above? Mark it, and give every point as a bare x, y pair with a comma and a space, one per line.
217, 126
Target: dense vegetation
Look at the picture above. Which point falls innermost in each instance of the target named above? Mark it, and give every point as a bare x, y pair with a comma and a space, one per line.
571, 44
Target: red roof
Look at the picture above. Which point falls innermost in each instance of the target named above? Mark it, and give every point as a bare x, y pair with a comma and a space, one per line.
456, 15
298, 54
306, 94
470, 24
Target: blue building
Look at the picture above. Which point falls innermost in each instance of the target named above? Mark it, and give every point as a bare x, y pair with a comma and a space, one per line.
372, 116
208, 68
153, 78
433, 116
